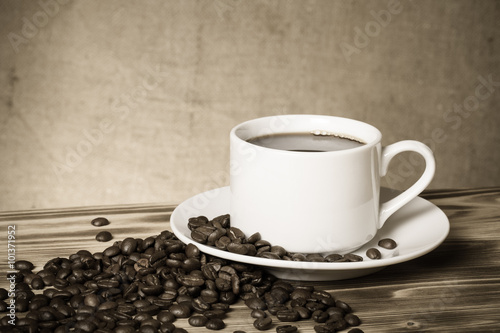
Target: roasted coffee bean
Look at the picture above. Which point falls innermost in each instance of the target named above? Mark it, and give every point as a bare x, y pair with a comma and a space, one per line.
258, 314
333, 257
199, 237
343, 305
180, 310
263, 324
324, 328
353, 257
270, 255
235, 234
254, 238
387, 243
215, 235
192, 251
222, 242
165, 317
197, 321
210, 314
355, 330
288, 315
4, 294
148, 329
237, 248
103, 236
286, 329
255, 303
128, 246
352, 319
299, 257
275, 309
215, 324
319, 316
37, 283
23, 265
279, 250
303, 312
373, 253
99, 222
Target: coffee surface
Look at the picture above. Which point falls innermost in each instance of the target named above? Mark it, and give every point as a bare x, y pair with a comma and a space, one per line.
305, 142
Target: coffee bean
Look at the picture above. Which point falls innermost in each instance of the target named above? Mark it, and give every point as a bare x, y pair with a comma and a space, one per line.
387, 243
255, 303
352, 319
258, 314
99, 221
23, 265
104, 236
351, 257
288, 315
254, 238
355, 330
373, 253
263, 324
333, 257
128, 246
237, 248
319, 316
286, 329
343, 305
180, 310
198, 321
270, 255
215, 324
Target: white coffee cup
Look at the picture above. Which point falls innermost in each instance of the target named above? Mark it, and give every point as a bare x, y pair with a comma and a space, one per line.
315, 202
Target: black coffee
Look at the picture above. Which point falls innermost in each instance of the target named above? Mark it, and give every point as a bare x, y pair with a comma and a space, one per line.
305, 142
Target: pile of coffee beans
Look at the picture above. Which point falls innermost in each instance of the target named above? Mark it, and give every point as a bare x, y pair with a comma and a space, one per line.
145, 285
219, 233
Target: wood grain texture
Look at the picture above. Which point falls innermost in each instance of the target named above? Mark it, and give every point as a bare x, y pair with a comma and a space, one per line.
455, 288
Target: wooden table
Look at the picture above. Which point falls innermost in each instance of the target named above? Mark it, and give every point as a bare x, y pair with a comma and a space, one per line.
455, 288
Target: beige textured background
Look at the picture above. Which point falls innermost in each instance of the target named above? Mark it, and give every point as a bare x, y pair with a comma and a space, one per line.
115, 102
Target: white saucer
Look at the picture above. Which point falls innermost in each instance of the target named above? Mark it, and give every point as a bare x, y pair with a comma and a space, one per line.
418, 228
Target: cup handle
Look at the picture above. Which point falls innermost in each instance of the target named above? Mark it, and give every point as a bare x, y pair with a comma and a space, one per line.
388, 152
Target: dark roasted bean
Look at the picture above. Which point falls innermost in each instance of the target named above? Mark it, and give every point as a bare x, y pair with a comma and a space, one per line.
215, 324
355, 330
353, 257
387, 243
263, 324
319, 316
210, 314
256, 303
254, 238
373, 253
103, 236
286, 329
288, 315
270, 255
99, 222
237, 248
165, 317
352, 319
128, 246
23, 265
258, 314
197, 321
180, 310
343, 305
